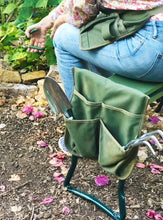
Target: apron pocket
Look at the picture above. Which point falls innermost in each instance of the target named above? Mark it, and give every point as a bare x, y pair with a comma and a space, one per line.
82, 137
112, 157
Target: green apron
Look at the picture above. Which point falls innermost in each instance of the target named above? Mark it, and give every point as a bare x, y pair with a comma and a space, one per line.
106, 117
113, 25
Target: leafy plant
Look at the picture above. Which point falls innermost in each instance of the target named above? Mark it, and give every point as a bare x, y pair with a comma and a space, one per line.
15, 17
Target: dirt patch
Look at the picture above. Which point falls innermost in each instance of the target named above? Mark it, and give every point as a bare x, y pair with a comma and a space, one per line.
21, 155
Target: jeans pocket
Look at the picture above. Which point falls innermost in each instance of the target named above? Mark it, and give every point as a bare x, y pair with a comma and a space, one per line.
129, 46
155, 71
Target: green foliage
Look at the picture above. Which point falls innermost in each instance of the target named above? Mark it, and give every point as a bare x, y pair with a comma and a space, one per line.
16, 15
49, 52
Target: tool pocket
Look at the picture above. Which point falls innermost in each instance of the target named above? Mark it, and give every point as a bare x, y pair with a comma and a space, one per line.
81, 137
112, 157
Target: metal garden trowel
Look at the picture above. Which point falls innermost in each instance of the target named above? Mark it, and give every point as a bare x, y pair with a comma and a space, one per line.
56, 98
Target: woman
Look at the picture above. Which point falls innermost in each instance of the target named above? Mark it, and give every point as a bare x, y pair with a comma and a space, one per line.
139, 56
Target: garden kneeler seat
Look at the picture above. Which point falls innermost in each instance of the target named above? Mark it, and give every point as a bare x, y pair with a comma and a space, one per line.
153, 89
106, 124
107, 116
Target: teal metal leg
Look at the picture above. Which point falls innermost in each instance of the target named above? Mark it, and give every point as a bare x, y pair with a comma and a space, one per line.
102, 206
121, 197
71, 170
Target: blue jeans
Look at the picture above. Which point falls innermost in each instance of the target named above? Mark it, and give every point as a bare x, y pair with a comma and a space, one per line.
139, 56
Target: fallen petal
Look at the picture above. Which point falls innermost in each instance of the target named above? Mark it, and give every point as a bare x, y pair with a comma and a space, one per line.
154, 119
60, 156
140, 165
27, 109
56, 174
46, 201
150, 214
31, 118
32, 199
155, 166
154, 171
101, 180
64, 170
53, 161
41, 143
37, 114
153, 142
52, 155
59, 179
57, 164
158, 217
66, 210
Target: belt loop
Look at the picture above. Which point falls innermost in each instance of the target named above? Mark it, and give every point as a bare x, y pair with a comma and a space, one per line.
154, 29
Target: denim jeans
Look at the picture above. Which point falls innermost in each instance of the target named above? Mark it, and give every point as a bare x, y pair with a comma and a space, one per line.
139, 56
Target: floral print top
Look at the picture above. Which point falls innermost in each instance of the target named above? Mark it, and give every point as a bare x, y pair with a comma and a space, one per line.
80, 12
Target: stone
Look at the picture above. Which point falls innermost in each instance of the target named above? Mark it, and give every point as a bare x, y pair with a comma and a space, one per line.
31, 76
40, 84
9, 76
18, 89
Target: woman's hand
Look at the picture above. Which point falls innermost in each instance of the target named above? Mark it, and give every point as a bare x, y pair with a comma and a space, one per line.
38, 37
60, 20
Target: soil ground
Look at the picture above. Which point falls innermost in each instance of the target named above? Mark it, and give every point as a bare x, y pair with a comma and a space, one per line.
21, 155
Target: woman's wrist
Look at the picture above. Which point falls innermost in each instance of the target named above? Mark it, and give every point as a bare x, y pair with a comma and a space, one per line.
46, 22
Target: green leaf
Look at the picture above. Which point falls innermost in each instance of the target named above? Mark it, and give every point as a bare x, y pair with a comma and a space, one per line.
49, 42
19, 55
41, 3
50, 57
10, 8
32, 56
29, 3
25, 13
54, 2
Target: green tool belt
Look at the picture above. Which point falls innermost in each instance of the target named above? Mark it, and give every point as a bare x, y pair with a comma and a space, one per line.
106, 117
113, 25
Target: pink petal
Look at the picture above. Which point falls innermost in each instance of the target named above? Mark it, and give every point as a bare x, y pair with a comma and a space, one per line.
37, 114
153, 142
59, 179
155, 166
60, 156
27, 109
64, 170
56, 174
140, 165
66, 210
32, 199
158, 217
46, 201
31, 117
52, 155
154, 119
41, 143
150, 214
154, 171
57, 164
101, 180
